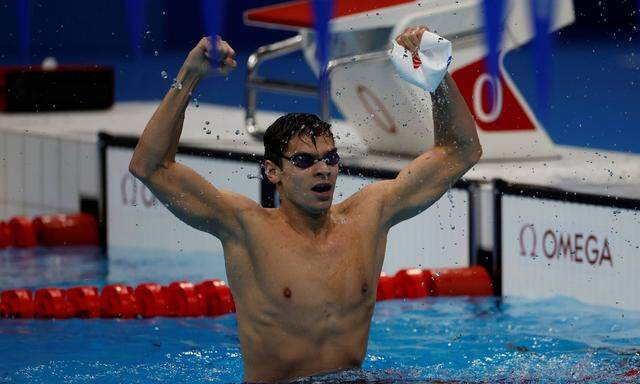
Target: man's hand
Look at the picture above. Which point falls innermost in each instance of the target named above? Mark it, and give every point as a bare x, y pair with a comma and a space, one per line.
210, 56
410, 38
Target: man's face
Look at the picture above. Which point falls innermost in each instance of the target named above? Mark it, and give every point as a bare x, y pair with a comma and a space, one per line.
312, 188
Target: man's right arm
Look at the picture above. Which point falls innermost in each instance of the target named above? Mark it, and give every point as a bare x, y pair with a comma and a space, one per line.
182, 190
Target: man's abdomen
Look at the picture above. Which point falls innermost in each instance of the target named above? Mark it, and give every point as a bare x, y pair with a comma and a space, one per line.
281, 350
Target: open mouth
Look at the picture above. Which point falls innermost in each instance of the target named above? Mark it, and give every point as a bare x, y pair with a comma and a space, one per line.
321, 187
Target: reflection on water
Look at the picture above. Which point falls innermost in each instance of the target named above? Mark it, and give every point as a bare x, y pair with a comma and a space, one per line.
64, 267
54, 266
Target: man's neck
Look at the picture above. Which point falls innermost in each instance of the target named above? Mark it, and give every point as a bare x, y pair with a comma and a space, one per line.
303, 222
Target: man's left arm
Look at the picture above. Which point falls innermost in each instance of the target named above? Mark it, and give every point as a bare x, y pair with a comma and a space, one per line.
423, 181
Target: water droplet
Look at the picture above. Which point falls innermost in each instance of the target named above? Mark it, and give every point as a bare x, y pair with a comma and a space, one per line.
164, 74
208, 131
176, 84
237, 132
155, 53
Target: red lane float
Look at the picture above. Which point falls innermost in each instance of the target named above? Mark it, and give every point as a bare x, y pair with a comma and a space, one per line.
184, 300
633, 372
17, 303
409, 284
118, 300
60, 229
471, 281
385, 289
151, 300
23, 232
213, 297
217, 297
51, 303
85, 301
6, 238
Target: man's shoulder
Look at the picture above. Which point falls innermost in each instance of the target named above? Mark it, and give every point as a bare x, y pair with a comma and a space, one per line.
368, 199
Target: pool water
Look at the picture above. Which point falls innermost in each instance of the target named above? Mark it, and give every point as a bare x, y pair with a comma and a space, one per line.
431, 339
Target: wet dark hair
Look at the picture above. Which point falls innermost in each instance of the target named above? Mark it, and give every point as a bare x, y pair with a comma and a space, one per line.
277, 136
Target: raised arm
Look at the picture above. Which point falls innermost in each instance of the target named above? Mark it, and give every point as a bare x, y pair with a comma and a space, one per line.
457, 148
183, 191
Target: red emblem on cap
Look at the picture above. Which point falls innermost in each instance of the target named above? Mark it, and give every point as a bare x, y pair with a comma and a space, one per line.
416, 61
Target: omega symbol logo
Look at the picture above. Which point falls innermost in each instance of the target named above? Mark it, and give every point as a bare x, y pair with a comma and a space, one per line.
131, 192
562, 246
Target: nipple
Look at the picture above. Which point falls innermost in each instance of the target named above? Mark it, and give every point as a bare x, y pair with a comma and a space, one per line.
365, 288
286, 292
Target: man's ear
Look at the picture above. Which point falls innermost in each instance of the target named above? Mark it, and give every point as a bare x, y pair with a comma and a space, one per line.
272, 171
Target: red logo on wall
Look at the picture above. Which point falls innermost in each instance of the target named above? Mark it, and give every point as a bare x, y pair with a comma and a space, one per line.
376, 109
556, 245
505, 113
131, 193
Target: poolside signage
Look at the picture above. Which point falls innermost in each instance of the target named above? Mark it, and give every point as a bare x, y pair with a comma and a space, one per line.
577, 247
554, 243
136, 219
133, 192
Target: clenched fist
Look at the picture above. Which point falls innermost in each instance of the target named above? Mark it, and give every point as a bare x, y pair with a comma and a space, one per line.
210, 56
410, 38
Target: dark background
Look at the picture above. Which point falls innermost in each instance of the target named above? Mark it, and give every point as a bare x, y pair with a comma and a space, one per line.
101, 25
595, 74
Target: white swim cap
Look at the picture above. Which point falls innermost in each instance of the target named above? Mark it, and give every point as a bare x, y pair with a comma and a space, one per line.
428, 70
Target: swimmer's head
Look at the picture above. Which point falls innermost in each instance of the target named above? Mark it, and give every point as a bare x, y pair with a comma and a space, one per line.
301, 160
303, 125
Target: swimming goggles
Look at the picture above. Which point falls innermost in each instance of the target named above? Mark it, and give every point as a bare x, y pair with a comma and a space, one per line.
305, 160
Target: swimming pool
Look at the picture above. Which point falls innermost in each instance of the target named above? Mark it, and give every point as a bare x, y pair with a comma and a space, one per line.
451, 339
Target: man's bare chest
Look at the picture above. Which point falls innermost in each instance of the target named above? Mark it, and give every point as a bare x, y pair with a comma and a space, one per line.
338, 271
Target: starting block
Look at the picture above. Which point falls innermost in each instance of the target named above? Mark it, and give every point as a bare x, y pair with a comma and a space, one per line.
389, 114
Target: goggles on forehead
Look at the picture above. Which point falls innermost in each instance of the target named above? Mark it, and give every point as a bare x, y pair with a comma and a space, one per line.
305, 160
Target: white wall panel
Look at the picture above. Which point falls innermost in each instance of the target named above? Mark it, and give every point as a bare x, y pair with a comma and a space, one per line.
14, 210
88, 169
36, 210
439, 237
33, 176
136, 219
51, 171
69, 176
436, 238
3, 173
15, 156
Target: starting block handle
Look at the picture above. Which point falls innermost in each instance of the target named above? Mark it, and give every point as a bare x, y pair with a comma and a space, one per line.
281, 48
254, 82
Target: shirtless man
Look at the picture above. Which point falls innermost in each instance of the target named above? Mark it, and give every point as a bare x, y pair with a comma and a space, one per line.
303, 275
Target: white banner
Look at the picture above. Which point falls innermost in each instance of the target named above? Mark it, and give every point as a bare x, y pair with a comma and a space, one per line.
558, 248
140, 227
436, 238
140, 230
